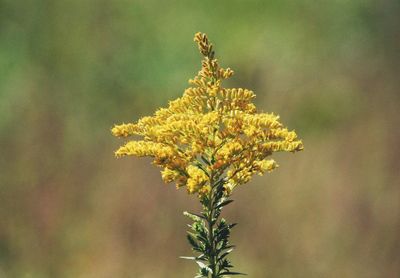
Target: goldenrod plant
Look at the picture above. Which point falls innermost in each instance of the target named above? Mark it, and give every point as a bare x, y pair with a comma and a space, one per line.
210, 140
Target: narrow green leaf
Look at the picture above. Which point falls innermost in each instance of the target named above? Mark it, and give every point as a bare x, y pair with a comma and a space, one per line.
193, 242
224, 203
187, 258
205, 269
224, 247
202, 239
231, 273
202, 265
193, 216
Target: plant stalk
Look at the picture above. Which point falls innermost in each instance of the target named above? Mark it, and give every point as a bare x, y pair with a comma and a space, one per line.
211, 216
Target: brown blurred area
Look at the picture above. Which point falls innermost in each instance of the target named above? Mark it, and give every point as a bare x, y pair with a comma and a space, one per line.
70, 69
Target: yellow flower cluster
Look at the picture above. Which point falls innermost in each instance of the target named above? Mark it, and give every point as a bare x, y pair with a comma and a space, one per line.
197, 180
209, 134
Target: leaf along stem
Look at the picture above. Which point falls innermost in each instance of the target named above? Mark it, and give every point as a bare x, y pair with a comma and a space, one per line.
209, 233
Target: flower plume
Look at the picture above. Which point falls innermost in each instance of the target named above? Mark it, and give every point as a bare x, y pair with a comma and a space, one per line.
210, 129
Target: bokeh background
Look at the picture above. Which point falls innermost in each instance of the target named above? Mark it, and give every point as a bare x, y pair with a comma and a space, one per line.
70, 69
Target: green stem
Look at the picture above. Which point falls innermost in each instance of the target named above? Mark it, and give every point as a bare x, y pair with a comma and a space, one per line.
209, 234
211, 216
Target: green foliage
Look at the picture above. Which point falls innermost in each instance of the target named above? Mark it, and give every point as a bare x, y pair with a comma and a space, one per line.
209, 236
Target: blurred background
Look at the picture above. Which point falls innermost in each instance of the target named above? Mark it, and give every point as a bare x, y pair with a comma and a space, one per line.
70, 69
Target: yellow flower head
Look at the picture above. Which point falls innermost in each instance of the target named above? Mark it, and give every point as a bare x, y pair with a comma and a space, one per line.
210, 133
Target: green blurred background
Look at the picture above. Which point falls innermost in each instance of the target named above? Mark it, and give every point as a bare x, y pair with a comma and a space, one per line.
71, 69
